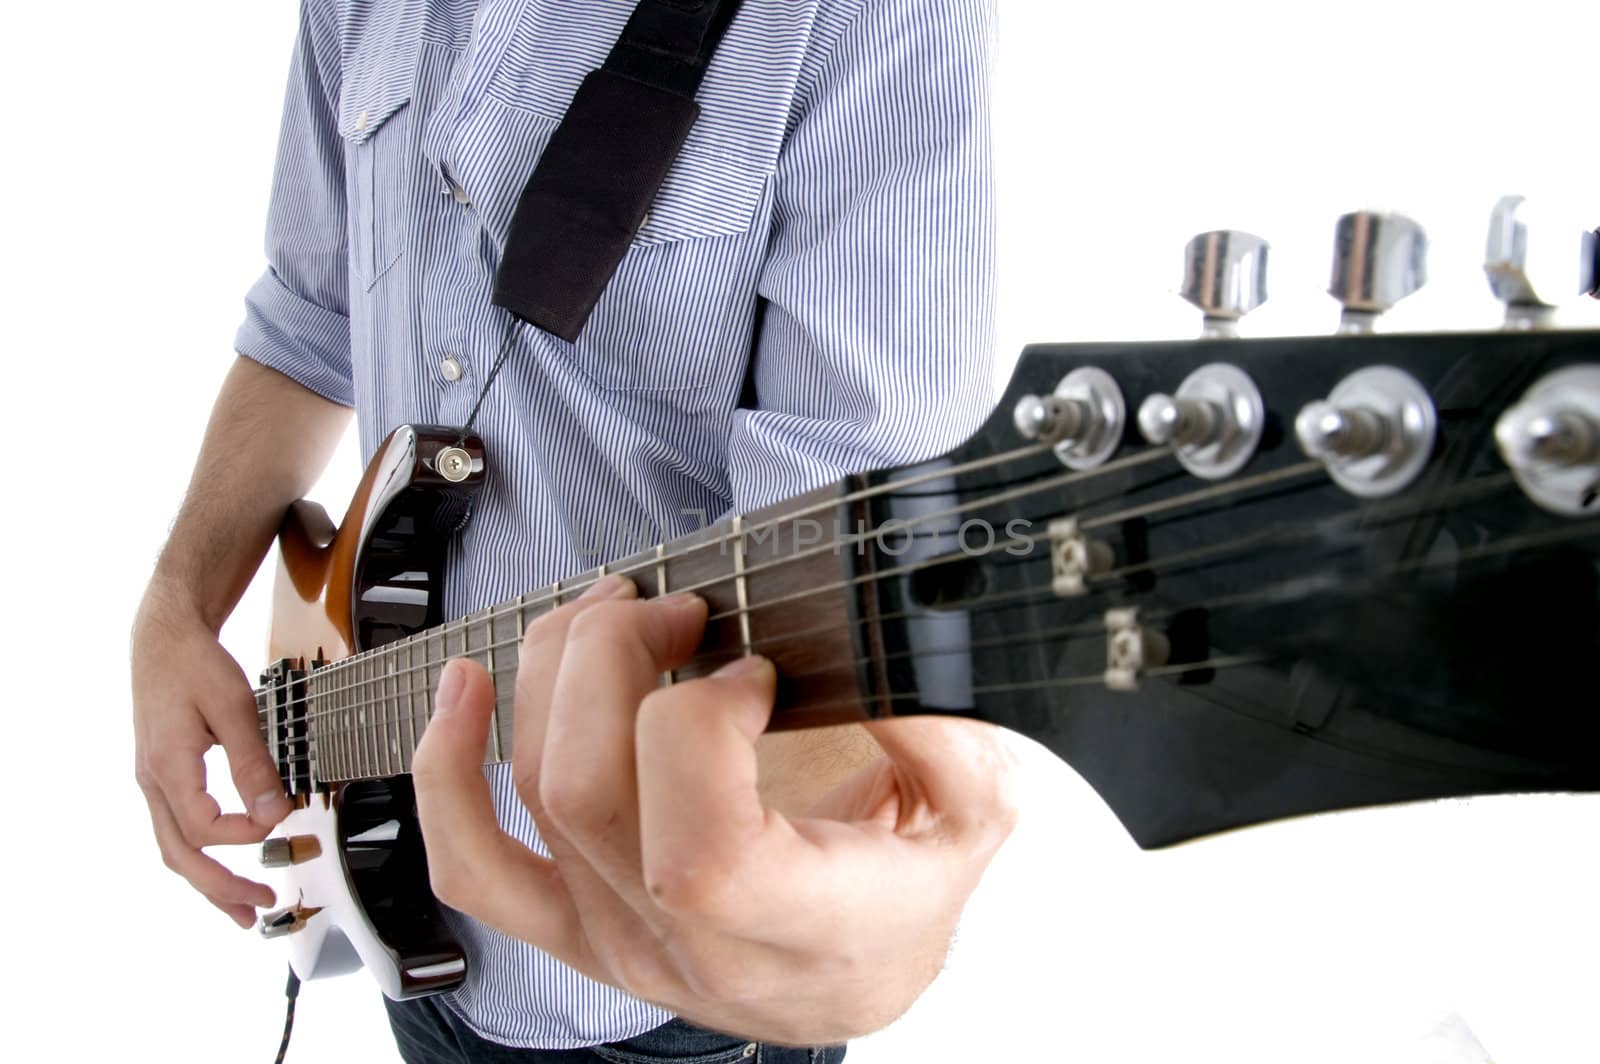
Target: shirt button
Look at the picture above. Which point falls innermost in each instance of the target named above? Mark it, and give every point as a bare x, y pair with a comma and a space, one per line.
750, 1050
450, 369
459, 194
361, 122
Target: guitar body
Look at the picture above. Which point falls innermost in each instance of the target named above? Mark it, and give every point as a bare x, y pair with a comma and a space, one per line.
354, 848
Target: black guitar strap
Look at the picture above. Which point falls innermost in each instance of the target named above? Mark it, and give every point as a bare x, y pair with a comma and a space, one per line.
604, 163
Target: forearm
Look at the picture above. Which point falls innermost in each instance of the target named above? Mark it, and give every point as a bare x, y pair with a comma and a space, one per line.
268, 440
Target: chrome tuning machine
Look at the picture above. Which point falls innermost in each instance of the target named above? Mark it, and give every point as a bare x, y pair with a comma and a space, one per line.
1082, 419
1213, 422
1225, 275
1524, 267
1374, 432
1551, 441
1378, 260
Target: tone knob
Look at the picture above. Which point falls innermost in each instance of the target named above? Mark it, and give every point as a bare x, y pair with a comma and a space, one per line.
1082, 419
1225, 275
1213, 421
1551, 441
281, 851
1378, 260
1374, 432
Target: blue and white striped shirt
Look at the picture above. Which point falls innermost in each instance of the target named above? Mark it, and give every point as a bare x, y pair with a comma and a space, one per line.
812, 294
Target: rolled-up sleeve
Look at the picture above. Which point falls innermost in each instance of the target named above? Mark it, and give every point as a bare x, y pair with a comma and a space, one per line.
876, 342
297, 316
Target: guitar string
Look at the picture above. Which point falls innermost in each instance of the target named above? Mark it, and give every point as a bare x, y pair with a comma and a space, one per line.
483, 622
1412, 507
1084, 680
384, 726
372, 729
1401, 509
652, 563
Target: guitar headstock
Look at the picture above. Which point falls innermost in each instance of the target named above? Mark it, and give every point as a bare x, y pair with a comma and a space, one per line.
1234, 580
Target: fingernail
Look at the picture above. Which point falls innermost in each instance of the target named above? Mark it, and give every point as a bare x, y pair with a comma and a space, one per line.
680, 600
745, 666
268, 806
612, 586
451, 680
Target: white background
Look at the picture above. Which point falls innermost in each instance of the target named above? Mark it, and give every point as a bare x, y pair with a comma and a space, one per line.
139, 141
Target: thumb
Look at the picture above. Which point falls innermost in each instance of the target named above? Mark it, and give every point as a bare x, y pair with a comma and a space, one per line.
232, 718
962, 770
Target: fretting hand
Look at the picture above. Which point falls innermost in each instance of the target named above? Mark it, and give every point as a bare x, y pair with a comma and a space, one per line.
670, 879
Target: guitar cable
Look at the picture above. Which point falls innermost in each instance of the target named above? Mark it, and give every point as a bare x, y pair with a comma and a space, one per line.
291, 990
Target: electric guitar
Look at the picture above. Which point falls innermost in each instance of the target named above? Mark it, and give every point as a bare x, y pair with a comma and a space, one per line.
1227, 580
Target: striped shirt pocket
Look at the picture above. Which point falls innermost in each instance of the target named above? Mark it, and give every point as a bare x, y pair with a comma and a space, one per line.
375, 126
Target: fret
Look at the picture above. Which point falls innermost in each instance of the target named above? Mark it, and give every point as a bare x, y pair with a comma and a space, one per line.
408, 748
741, 589
667, 679
494, 685
335, 719
702, 562
391, 709
369, 747
375, 714
371, 716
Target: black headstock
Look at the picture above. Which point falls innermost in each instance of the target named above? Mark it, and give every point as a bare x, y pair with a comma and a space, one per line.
1311, 633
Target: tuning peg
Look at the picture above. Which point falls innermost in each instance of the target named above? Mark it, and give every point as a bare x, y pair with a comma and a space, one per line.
1374, 432
1225, 275
1378, 260
1589, 265
1083, 418
1213, 422
1551, 441
1527, 262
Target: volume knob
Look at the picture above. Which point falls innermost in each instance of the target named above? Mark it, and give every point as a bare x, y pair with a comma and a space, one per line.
1378, 260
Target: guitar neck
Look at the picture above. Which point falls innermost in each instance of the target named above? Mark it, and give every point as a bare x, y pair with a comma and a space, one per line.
780, 582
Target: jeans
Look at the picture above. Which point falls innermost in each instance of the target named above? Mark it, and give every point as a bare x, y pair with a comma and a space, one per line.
428, 1032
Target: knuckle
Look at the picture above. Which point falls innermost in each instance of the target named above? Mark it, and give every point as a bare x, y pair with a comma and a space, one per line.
447, 882
702, 889
709, 977
573, 802
526, 781
643, 972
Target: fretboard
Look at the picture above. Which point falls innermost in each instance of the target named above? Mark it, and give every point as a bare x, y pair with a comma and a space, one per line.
776, 583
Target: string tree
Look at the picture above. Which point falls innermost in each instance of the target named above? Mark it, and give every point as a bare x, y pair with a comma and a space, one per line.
1075, 558
1225, 276
1379, 258
1131, 648
1373, 433
1213, 422
1551, 441
1083, 419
